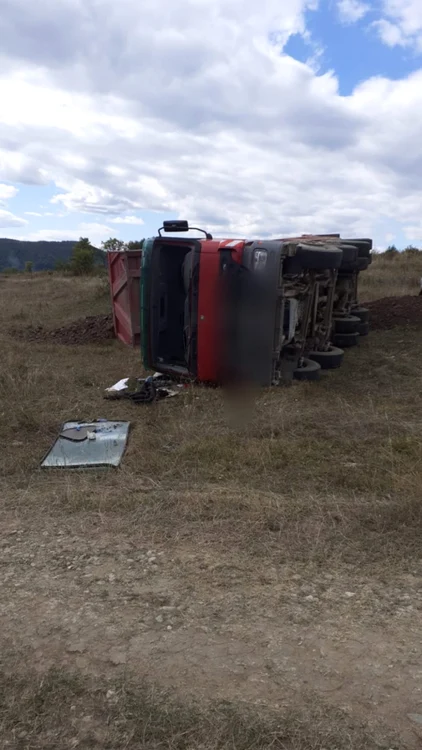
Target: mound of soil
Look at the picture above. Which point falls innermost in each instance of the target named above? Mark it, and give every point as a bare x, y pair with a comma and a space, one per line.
94, 329
395, 311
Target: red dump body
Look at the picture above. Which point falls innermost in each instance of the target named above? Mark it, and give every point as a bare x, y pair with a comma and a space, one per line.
124, 271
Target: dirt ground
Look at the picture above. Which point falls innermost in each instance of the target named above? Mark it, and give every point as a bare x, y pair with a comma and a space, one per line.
88, 330
390, 312
272, 567
85, 593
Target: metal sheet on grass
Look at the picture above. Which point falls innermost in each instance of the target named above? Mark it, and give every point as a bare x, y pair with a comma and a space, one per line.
105, 449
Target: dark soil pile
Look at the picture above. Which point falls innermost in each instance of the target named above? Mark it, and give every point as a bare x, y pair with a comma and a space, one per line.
94, 329
395, 311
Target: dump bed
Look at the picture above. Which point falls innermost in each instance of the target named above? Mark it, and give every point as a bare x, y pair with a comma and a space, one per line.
124, 271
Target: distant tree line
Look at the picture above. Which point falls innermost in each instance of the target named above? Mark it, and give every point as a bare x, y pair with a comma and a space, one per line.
43, 255
392, 250
77, 258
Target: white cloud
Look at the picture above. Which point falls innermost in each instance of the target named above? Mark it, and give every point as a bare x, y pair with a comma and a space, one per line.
351, 11
7, 192
39, 215
7, 219
192, 108
128, 220
401, 23
390, 33
15, 165
81, 196
46, 235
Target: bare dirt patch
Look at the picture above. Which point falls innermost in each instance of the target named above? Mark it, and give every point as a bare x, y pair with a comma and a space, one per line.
220, 625
390, 312
90, 330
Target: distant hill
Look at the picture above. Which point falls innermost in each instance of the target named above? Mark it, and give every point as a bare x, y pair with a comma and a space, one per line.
44, 255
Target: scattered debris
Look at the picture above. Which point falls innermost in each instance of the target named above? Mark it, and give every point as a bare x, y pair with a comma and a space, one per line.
145, 390
88, 445
94, 329
119, 386
389, 312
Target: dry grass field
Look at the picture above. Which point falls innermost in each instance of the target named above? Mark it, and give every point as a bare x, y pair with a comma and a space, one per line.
239, 586
392, 276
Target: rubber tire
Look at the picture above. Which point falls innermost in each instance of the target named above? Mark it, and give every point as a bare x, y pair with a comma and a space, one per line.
362, 313
363, 329
350, 257
363, 263
348, 324
313, 258
346, 340
364, 246
329, 360
311, 370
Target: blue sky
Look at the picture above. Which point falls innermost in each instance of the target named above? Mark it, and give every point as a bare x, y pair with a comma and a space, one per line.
248, 119
354, 51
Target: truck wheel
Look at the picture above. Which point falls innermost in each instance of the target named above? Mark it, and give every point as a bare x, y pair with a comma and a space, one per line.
313, 258
363, 329
362, 264
362, 313
350, 258
348, 324
364, 247
329, 360
346, 340
310, 370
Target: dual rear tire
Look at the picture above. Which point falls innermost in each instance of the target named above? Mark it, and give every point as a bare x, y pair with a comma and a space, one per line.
347, 331
349, 325
346, 340
311, 366
308, 370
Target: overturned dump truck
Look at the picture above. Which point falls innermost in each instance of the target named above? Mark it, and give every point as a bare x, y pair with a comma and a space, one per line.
258, 311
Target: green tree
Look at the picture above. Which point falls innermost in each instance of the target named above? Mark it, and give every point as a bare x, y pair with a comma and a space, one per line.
113, 245
391, 251
82, 261
29, 266
135, 245
411, 250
